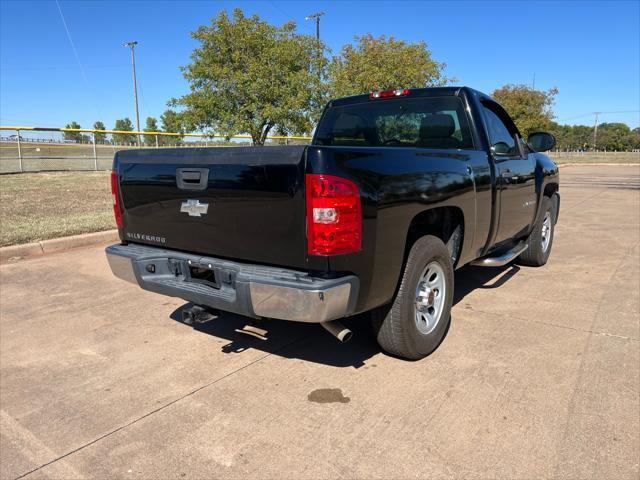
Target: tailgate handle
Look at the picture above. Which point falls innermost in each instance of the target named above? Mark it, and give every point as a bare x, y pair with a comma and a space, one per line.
192, 178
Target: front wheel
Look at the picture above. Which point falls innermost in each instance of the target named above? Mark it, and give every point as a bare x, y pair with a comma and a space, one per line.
415, 324
541, 238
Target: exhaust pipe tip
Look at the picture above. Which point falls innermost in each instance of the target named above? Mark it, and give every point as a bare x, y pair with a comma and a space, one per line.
338, 330
345, 335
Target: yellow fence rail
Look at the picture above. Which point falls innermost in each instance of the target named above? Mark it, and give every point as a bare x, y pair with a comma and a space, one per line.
22, 128
136, 132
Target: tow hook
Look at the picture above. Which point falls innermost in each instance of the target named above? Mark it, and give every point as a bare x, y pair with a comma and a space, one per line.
198, 315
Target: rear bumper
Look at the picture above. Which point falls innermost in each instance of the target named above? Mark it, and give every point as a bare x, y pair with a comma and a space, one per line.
252, 290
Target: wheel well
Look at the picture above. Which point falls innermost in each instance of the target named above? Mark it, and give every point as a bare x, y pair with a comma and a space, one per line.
446, 223
550, 189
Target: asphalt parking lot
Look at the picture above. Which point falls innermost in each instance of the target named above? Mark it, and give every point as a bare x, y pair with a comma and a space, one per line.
539, 376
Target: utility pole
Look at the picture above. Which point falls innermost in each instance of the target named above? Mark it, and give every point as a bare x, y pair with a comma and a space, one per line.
595, 131
132, 46
316, 17
533, 86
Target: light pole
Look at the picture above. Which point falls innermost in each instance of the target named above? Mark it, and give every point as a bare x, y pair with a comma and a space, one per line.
132, 46
316, 17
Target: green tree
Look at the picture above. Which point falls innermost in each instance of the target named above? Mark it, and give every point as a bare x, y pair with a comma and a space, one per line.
73, 136
530, 109
562, 134
124, 124
172, 122
634, 139
383, 63
151, 126
581, 137
100, 137
247, 76
614, 136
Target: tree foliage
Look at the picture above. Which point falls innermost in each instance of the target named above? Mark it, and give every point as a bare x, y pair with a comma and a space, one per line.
383, 63
530, 109
610, 137
73, 136
100, 137
614, 136
247, 76
572, 137
124, 124
151, 125
172, 122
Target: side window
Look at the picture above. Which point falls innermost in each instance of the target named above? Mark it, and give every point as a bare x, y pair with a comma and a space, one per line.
502, 140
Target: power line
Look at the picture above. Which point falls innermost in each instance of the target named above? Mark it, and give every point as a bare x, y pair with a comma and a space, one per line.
599, 113
285, 14
61, 67
75, 53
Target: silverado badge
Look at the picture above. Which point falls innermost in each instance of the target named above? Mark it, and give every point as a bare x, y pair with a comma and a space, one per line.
194, 208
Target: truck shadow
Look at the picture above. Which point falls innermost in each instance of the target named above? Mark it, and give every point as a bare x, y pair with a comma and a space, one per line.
311, 343
470, 278
304, 341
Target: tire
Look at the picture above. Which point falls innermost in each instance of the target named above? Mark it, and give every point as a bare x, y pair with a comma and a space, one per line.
401, 329
541, 238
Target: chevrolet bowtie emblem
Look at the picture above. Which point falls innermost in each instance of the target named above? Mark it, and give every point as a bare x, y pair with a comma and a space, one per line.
194, 208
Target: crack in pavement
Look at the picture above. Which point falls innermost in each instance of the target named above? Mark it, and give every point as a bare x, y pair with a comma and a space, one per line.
571, 409
566, 327
162, 407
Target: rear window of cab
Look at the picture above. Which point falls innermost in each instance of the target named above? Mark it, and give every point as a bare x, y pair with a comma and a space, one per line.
438, 123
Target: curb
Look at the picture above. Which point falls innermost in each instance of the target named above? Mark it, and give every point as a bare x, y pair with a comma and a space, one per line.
17, 252
578, 164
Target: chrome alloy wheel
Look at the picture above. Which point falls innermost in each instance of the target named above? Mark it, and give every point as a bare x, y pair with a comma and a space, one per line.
546, 231
430, 298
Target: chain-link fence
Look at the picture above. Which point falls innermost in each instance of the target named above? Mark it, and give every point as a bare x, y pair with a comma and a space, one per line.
32, 149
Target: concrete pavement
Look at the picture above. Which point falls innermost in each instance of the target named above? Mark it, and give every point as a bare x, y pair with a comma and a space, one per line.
539, 376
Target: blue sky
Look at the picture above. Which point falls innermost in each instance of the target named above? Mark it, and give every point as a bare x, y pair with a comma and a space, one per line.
590, 51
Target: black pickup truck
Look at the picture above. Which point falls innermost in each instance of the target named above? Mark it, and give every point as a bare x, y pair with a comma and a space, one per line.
396, 190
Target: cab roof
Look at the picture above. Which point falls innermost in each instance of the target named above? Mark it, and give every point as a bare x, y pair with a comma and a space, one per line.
413, 92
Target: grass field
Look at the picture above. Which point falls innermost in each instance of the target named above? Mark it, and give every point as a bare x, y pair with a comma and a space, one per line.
597, 157
38, 206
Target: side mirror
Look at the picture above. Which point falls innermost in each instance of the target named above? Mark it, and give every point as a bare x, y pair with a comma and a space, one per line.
501, 148
541, 141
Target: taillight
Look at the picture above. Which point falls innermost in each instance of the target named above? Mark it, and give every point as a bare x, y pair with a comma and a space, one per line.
116, 199
389, 93
334, 217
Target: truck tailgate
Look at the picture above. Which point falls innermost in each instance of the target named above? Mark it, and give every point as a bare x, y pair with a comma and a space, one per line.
242, 203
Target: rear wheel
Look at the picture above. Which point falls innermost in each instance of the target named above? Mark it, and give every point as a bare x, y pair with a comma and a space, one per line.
415, 324
541, 238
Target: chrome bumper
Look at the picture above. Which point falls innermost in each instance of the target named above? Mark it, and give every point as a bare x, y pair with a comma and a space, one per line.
251, 290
